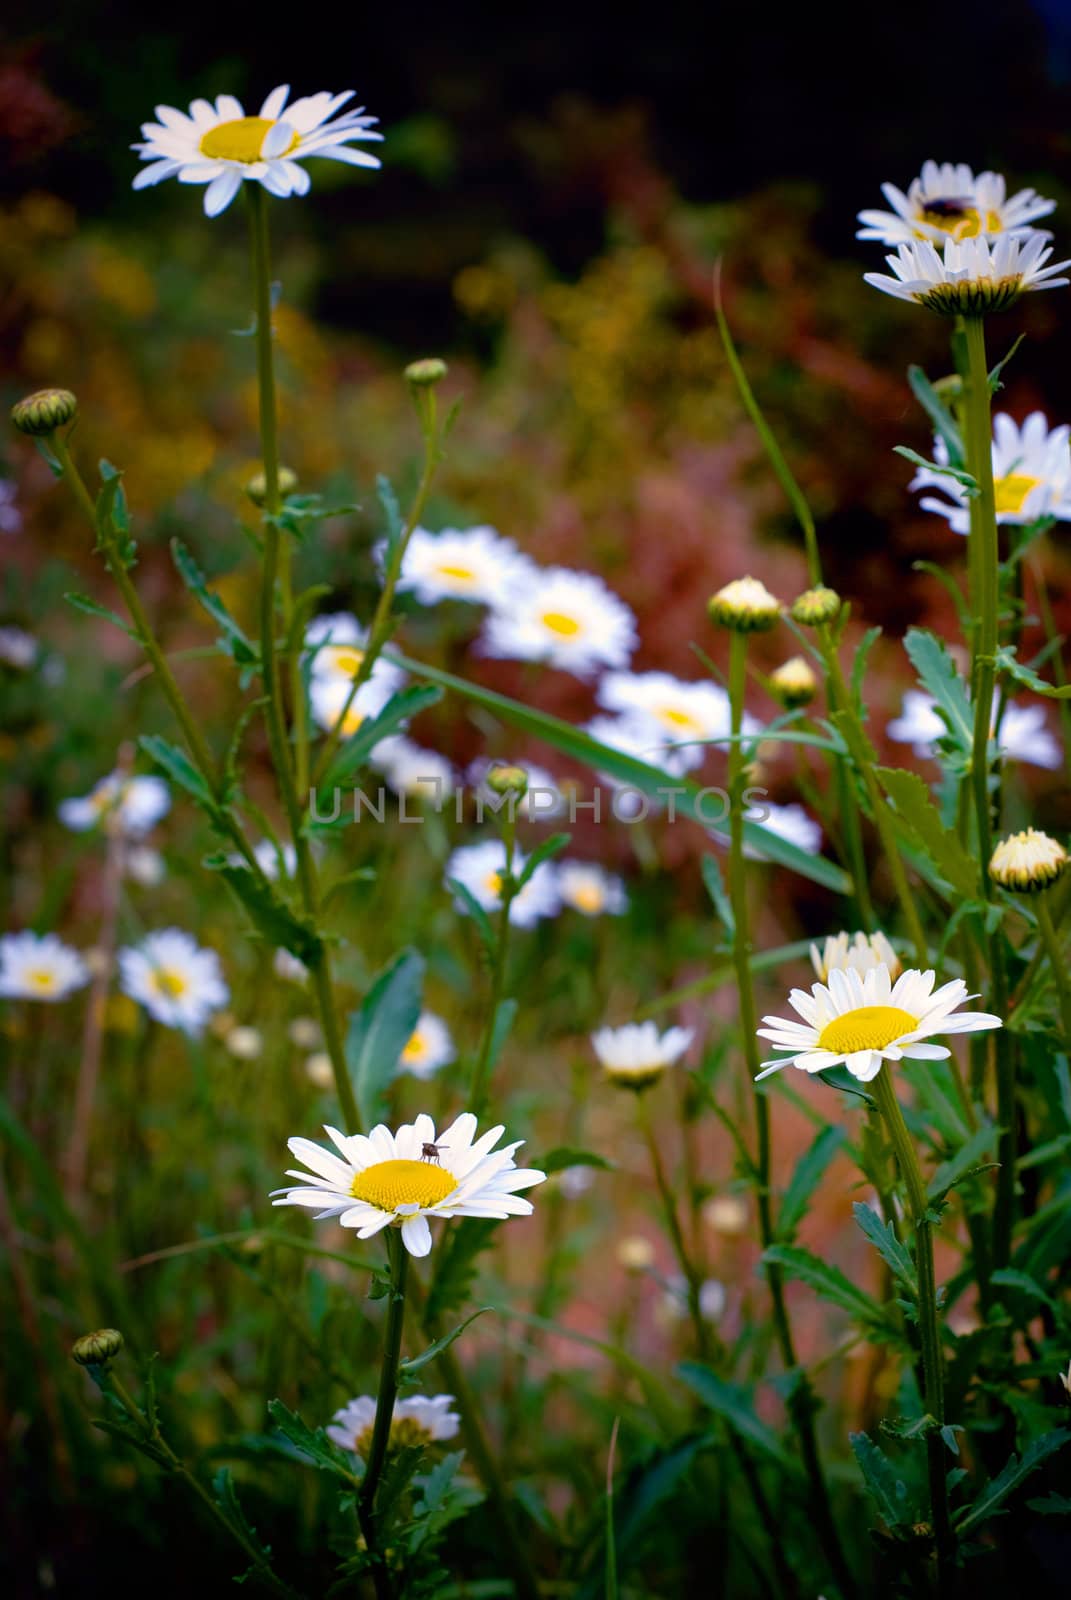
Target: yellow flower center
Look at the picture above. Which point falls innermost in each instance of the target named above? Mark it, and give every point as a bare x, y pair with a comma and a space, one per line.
390, 1184
240, 140
352, 721
462, 574
1011, 492
344, 658
41, 979
493, 883
405, 1432
677, 719
172, 984
415, 1047
959, 221
558, 622
866, 1028
588, 897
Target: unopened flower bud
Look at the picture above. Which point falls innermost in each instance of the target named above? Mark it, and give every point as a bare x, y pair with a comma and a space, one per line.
42, 413
793, 684
635, 1253
727, 1214
816, 606
257, 487
95, 1349
424, 374
507, 780
1028, 861
244, 1043
949, 389
744, 606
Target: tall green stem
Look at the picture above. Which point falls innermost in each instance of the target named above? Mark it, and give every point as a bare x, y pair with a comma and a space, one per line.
398, 1257
1057, 962
482, 1064
802, 1404
929, 1330
278, 741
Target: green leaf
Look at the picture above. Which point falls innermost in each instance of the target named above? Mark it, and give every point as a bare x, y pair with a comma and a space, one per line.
234, 640
181, 770
916, 814
805, 1179
882, 1236
715, 888
888, 1492
1022, 1283
354, 752
968, 481
943, 421
1007, 662
418, 1363
392, 515
965, 1163
380, 1030
1014, 1472
488, 937
83, 602
112, 516
628, 770
995, 372
542, 852
271, 917
505, 1012
827, 1281
938, 676
313, 1446
564, 1156
736, 1405
859, 666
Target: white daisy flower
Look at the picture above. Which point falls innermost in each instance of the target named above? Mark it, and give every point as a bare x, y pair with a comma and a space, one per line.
854, 951
863, 1019
409, 770
134, 805
635, 736
18, 648
948, 201
10, 515
971, 278
1024, 735
1031, 475
635, 1056
145, 865
591, 890
428, 1047
543, 800
682, 717
179, 983
470, 564
479, 868
566, 619
403, 1178
574, 1182
418, 1419
222, 147
329, 697
336, 643
39, 967
789, 822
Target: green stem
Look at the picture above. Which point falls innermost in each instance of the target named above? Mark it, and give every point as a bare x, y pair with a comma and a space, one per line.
929, 1331
802, 1405
398, 1257
692, 1276
482, 1065
322, 987
1057, 962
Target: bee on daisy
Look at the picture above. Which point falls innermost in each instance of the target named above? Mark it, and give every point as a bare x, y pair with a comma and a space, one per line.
221, 147
179, 983
862, 1019
39, 967
1031, 475
416, 1420
387, 1179
428, 1047
948, 200
475, 564
133, 805
565, 619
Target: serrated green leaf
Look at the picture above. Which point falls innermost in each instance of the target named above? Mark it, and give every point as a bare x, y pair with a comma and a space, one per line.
883, 1237
888, 1492
965, 479
625, 769
272, 918
938, 675
1008, 662
827, 1281
311, 1444
965, 1163
234, 640
380, 1030
83, 602
736, 1405
417, 1363
915, 813
715, 888
180, 769
805, 1179
1014, 1472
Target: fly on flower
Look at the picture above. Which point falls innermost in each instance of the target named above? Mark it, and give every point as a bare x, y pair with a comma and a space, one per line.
949, 201
221, 147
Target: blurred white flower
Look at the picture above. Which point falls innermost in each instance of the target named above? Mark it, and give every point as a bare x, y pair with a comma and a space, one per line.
674, 1305
1031, 475
415, 1420
470, 564
179, 983
860, 951
677, 716
18, 648
971, 278
479, 867
244, 1043
39, 967
1024, 735
543, 800
789, 822
566, 619
10, 515
135, 805
591, 890
635, 1056
289, 967
223, 148
949, 201
145, 865
411, 770
428, 1047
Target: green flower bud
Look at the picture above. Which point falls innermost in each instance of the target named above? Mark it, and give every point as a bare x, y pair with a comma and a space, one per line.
42, 413
507, 780
744, 606
816, 606
793, 684
1028, 861
257, 487
95, 1349
424, 374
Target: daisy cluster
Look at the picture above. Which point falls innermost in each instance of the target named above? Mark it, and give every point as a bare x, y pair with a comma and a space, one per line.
960, 244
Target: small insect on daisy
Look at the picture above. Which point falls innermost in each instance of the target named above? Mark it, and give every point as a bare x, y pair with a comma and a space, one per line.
221, 147
861, 1020
431, 1152
948, 200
